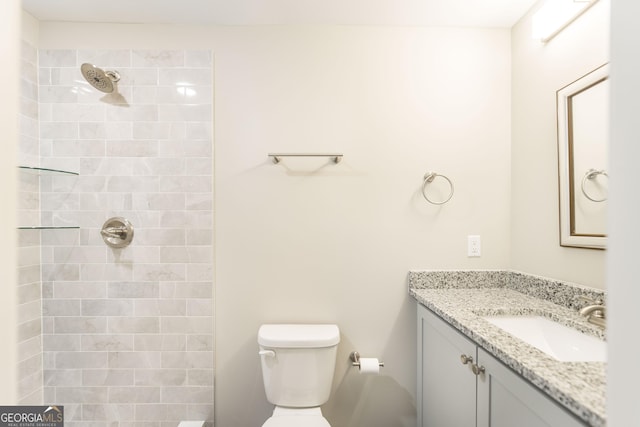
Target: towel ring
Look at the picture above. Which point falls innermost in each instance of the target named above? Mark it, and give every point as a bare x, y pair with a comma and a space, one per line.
428, 179
591, 175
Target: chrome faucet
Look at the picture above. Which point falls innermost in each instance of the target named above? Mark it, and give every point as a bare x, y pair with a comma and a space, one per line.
594, 312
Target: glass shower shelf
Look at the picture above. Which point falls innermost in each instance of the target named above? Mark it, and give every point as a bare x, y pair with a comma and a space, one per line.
49, 227
40, 171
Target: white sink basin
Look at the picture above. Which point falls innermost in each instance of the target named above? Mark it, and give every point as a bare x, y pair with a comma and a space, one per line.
556, 340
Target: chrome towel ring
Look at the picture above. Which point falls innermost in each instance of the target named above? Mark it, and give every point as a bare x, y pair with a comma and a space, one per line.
428, 179
591, 175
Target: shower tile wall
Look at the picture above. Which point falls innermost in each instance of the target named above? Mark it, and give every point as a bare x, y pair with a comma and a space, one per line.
29, 283
128, 333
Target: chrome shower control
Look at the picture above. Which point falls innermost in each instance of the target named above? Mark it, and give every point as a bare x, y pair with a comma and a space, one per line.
117, 232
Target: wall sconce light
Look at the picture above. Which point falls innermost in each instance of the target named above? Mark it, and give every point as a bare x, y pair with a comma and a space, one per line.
556, 15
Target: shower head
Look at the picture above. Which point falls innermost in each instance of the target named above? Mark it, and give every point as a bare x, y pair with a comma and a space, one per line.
101, 80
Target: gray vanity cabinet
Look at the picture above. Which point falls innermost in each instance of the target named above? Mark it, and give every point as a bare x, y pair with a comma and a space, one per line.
455, 391
446, 386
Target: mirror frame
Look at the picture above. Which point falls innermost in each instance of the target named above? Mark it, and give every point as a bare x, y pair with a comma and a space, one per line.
565, 181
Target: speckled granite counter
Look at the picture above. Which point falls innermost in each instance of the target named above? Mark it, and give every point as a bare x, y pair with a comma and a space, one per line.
462, 297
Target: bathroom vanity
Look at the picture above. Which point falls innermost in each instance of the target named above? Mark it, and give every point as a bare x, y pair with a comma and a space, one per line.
471, 372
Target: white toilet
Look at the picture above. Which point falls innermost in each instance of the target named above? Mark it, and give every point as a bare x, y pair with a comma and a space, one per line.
298, 362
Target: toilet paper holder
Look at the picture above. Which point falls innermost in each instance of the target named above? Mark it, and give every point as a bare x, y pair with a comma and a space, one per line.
355, 359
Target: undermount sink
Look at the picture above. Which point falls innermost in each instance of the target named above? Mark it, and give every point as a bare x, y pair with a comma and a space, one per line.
558, 341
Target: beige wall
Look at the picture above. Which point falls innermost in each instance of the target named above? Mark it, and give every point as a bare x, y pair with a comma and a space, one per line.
9, 94
622, 261
539, 70
307, 241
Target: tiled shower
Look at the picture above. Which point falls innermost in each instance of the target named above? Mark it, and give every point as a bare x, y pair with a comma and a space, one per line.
120, 337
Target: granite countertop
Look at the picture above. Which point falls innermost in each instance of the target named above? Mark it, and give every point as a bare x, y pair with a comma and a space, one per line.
462, 298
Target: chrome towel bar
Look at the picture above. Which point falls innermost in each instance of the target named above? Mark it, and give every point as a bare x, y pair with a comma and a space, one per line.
277, 157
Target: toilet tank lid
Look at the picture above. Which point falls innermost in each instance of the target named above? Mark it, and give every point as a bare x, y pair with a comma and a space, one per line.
298, 336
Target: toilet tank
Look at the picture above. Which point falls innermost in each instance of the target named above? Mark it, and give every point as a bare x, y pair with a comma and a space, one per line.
298, 362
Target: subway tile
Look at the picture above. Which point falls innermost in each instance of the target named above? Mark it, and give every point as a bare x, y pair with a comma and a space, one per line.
200, 166
160, 237
134, 325
107, 307
106, 58
134, 113
29, 311
199, 237
187, 290
182, 148
63, 377
79, 290
81, 360
107, 342
135, 254
61, 307
153, 412
160, 307
158, 58
160, 166
59, 130
81, 394
187, 394
30, 329
186, 113
57, 57
159, 272
132, 148
202, 377
79, 254
198, 58
134, 360
112, 413
187, 360
151, 130
186, 184
30, 347
63, 272
200, 342
108, 377
79, 325
139, 77
57, 342
159, 201
200, 307
160, 377
77, 147
77, 112
199, 272
199, 201
133, 290
109, 272
134, 394
159, 342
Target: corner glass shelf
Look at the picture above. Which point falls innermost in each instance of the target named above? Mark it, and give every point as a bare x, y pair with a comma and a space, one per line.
50, 172
45, 171
49, 227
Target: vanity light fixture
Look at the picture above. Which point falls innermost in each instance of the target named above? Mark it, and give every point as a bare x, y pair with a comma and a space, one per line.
556, 15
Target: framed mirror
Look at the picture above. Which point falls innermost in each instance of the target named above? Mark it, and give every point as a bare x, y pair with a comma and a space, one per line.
583, 147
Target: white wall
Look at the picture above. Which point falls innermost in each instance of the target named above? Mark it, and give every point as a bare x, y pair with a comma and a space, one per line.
539, 70
622, 261
9, 108
307, 241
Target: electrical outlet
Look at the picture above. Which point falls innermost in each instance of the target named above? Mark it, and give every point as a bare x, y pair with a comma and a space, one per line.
473, 246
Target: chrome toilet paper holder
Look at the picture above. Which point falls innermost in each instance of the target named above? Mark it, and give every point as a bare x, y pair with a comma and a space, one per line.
355, 359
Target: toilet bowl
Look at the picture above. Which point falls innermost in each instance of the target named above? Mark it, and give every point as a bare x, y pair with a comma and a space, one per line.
299, 417
298, 363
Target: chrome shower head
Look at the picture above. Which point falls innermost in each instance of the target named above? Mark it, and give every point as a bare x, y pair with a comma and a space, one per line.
101, 80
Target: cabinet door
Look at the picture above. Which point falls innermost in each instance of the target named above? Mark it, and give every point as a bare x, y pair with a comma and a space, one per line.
507, 400
446, 395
